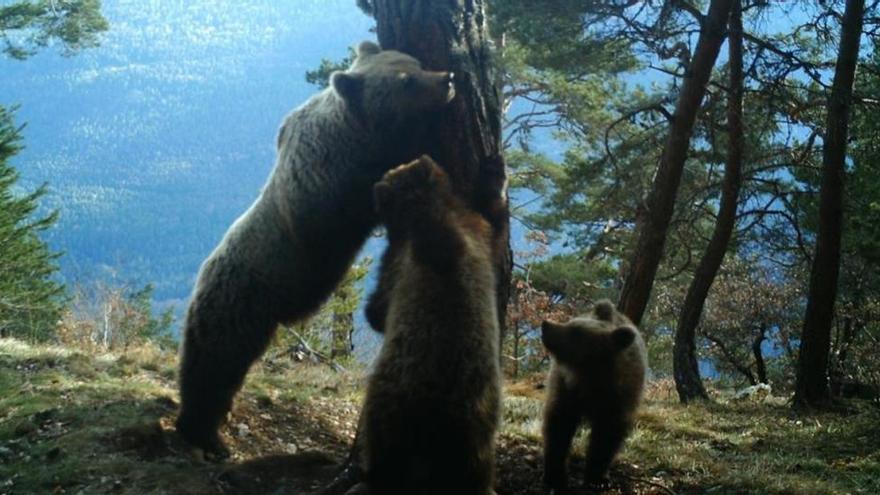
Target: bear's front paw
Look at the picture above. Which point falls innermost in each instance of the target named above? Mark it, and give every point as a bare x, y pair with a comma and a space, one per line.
409, 185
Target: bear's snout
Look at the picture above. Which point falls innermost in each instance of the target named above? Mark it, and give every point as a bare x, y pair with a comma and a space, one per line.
442, 81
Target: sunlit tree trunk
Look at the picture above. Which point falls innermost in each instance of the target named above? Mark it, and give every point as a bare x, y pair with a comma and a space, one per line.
685, 367
517, 338
811, 389
342, 331
653, 220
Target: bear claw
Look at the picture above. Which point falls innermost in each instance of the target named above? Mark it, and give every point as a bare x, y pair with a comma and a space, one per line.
204, 447
408, 186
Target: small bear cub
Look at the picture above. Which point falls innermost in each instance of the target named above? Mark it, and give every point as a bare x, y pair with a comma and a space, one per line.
597, 376
433, 400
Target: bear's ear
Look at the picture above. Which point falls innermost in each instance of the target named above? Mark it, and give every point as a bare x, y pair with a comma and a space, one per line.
367, 48
604, 310
349, 86
551, 335
382, 197
623, 336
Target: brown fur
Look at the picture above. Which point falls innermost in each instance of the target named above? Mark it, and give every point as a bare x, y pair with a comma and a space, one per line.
490, 198
281, 259
432, 404
597, 376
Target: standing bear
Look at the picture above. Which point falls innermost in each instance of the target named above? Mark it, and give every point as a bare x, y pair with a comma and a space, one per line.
433, 399
597, 375
283, 257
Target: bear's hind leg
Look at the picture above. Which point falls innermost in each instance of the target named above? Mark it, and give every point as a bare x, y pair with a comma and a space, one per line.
560, 425
218, 349
606, 439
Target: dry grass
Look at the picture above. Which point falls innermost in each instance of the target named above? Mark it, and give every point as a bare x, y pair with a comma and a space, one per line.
76, 423
725, 447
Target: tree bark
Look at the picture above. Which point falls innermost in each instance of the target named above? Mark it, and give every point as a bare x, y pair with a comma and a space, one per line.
452, 35
516, 338
653, 221
684, 361
811, 388
844, 344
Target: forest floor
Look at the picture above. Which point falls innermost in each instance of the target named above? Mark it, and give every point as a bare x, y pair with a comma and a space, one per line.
74, 423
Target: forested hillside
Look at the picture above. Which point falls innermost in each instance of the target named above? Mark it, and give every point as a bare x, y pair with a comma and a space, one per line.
155, 141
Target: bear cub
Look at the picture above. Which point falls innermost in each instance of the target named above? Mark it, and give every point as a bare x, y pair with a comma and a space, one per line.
597, 376
433, 399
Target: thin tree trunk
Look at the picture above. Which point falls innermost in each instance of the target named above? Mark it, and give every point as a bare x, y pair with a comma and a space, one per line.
744, 369
653, 221
452, 35
516, 339
758, 353
106, 333
342, 329
811, 388
684, 363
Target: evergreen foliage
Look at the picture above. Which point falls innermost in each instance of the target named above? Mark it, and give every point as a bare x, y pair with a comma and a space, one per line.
27, 26
31, 300
320, 77
328, 335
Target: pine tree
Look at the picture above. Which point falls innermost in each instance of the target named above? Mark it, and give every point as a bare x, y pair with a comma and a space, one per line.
26, 26
31, 299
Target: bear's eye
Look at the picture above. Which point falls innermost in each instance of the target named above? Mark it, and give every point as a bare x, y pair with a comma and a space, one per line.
405, 79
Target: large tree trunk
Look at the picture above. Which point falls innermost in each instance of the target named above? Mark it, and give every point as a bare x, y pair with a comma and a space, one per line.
811, 389
684, 362
451, 35
653, 221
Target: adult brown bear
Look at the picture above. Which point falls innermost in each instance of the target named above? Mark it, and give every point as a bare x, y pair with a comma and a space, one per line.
281, 259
